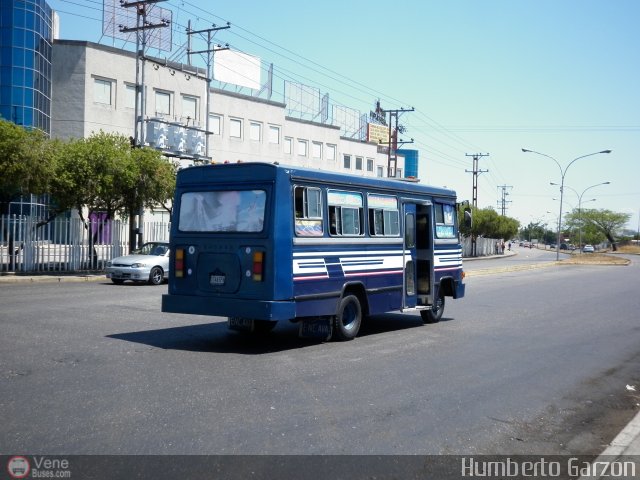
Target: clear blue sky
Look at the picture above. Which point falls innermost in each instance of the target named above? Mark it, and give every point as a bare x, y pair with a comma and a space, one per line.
558, 77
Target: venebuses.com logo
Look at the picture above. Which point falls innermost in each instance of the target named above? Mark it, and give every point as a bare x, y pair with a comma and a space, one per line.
18, 467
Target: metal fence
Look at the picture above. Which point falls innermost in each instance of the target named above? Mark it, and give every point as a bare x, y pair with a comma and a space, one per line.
66, 244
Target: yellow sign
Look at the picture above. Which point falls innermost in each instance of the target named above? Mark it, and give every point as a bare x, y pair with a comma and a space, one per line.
378, 133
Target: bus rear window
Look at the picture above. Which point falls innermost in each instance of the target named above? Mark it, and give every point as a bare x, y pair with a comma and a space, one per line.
222, 211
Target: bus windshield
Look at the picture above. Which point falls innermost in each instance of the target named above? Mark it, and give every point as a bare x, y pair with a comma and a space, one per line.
222, 211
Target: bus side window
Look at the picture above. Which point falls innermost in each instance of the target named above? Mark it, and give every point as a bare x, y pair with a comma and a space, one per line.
445, 220
384, 216
409, 231
334, 223
308, 211
346, 213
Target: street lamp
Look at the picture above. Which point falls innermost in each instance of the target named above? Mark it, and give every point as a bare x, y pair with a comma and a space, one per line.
580, 207
580, 212
562, 174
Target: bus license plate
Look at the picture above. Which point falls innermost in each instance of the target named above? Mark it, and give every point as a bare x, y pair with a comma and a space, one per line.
241, 324
316, 328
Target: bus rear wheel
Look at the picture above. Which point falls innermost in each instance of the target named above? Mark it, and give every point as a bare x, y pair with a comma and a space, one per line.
348, 318
434, 314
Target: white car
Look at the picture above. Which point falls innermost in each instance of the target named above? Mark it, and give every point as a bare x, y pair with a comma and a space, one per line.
588, 249
149, 263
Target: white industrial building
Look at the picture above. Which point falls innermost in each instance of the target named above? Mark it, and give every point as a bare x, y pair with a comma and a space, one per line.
93, 89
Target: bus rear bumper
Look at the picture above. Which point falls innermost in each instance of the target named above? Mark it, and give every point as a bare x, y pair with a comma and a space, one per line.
227, 307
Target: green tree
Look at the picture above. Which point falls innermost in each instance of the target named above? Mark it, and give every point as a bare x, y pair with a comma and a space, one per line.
598, 224
487, 223
26, 163
103, 173
27, 160
538, 231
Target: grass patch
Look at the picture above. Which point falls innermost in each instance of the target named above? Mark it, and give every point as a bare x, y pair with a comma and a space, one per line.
595, 259
634, 249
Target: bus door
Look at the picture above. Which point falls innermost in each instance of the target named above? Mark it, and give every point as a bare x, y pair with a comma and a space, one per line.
418, 255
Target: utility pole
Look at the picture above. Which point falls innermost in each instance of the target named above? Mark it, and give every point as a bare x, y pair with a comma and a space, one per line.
136, 233
142, 25
209, 60
502, 204
392, 156
476, 172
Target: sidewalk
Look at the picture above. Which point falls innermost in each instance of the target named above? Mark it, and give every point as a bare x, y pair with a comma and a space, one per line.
626, 444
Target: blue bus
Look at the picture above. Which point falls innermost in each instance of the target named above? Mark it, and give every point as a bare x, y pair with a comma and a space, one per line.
261, 243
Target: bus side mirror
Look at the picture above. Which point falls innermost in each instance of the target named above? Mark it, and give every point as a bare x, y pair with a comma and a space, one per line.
468, 221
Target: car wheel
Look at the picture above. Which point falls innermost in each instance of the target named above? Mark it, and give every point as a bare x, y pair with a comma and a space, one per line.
117, 281
156, 277
434, 314
348, 319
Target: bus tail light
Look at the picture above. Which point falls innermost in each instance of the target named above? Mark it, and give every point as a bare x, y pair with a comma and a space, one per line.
258, 265
179, 263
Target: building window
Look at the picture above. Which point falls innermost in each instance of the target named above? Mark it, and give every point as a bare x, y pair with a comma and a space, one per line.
369, 164
274, 134
331, 152
102, 91
163, 103
358, 163
235, 128
255, 131
380, 171
189, 109
398, 173
302, 148
129, 95
316, 150
215, 124
347, 162
288, 145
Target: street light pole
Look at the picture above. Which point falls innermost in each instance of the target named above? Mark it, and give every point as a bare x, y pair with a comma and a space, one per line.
580, 212
562, 175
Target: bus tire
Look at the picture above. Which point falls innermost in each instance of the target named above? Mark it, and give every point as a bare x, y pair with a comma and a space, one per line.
348, 319
434, 314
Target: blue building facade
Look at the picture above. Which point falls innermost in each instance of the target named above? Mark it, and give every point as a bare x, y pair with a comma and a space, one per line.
26, 37
411, 158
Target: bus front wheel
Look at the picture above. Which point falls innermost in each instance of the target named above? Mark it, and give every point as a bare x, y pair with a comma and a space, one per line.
348, 318
434, 314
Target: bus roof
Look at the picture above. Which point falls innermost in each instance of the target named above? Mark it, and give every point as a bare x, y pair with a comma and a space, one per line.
257, 171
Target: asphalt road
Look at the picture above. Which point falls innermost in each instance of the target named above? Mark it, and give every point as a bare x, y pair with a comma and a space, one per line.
532, 361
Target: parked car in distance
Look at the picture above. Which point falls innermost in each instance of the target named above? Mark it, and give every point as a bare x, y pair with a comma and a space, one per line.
149, 263
588, 249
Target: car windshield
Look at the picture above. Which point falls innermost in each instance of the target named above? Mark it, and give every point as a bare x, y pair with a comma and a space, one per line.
152, 249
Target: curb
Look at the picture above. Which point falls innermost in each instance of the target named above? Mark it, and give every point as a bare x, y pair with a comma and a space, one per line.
49, 278
626, 443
